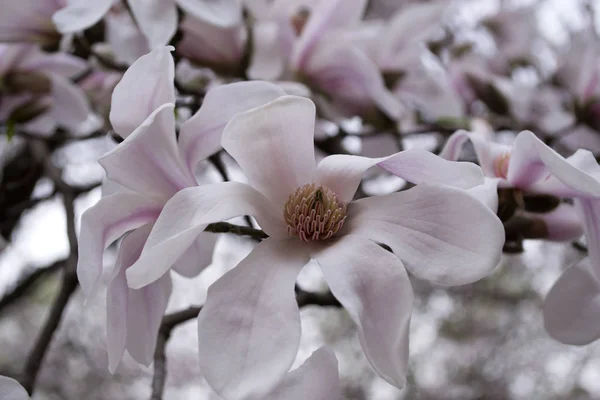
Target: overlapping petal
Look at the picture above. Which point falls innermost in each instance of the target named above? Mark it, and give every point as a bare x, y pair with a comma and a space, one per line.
11, 389
201, 135
249, 327
186, 215
198, 256
80, 14
274, 147
224, 14
441, 234
145, 86
156, 19
373, 286
106, 221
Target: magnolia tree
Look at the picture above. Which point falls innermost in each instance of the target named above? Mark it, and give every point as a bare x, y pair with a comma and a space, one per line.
267, 120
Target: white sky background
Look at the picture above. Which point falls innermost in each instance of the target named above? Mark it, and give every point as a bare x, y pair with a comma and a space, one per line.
41, 239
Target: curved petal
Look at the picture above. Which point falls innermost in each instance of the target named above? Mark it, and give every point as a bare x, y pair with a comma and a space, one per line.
157, 20
326, 16
342, 173
11, 389
373, 286
148, 161
442, 234
273, 145
317, 379
102, 224
249, 327
145, 86
486, 193
487, 151
80, 14
572, 307
532, 161
28, 21
186, 215
200, 136
589, 210
198, 256
125, 39
351, 78
268, 60
224, 14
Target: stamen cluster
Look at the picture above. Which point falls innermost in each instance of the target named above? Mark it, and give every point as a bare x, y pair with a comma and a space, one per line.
313, 212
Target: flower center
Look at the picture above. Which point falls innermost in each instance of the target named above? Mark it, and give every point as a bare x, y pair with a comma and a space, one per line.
501, 165
314, 212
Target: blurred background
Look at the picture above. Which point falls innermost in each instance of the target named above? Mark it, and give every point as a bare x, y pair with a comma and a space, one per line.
480, 341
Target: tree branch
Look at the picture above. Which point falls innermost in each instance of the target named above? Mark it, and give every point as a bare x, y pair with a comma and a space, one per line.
226, 227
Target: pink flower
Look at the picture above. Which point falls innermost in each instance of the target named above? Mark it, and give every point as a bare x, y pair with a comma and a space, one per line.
307, 39
149, 167
37, 90
11, 389
249, 328
157, 19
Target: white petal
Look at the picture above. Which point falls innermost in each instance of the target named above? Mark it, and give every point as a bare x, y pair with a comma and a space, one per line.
201, 135
590, 215
70, 106
343, 173
532, 160
11, 389
249, 327
198, 256
117, 297
145, 86
373, 286
273, 145
157, 20
268, 60
186, 215
316, 379
224, 14
572, 307
486, 193
80, 14
441, 234
148, 161
103, 223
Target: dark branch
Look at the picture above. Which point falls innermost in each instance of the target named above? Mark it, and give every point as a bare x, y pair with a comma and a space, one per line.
226, 227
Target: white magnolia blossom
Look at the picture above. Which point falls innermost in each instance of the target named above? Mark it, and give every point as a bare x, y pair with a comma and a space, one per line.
11, 389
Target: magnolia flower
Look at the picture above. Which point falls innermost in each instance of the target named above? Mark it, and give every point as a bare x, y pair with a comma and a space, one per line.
29, 21
510, 167
157, 19
36, 89
150, 166
249, 328
11, 389
306, 38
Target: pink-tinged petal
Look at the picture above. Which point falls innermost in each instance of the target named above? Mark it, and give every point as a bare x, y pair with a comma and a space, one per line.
442, 234
486, 193
326, 16
28, 21
70, 106
157, 20
317, 379
342, 173
145, 86
583, 162
61, 64
488, 153
201, 135
374, 288
532, 161
224, 14
352, 79
563, 223
572, 307
268, 59
148, 160
186, 215
146, 308
249, 327
117, 297
11, 389
198, 256
124, 37
80, 14
102, 224
273, 145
